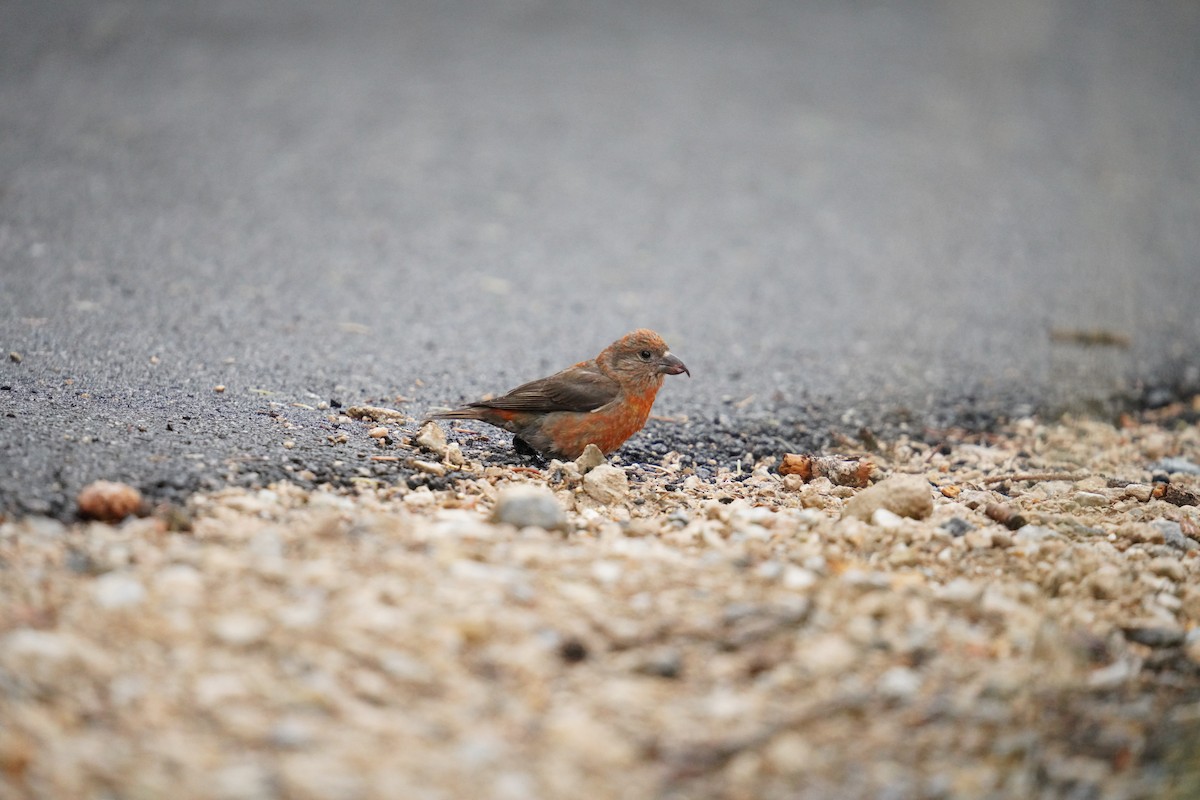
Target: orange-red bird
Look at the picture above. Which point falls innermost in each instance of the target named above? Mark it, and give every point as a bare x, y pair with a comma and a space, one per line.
602, 402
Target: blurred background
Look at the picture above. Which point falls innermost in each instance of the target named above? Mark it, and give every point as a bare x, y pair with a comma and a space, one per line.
826, 208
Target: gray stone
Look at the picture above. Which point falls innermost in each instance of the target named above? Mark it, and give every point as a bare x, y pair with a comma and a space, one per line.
1175, 466
1173, 535
525, 506
1155, 636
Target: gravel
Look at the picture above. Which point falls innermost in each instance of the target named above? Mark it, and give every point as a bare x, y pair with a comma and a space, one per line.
503, 630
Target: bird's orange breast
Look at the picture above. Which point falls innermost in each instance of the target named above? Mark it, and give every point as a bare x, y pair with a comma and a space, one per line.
607, 428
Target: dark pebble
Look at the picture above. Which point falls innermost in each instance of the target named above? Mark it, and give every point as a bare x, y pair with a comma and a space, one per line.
572, 651
1180, 497
662, 665
957, 526
1157, 397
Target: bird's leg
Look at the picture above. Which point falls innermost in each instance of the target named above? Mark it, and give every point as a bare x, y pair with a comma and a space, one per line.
523, 449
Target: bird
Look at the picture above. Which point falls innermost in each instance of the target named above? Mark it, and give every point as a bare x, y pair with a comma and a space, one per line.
602, 401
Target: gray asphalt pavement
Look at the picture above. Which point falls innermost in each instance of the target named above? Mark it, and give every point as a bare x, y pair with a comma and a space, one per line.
837, 213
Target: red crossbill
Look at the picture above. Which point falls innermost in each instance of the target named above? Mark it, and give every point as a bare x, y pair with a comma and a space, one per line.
603, 401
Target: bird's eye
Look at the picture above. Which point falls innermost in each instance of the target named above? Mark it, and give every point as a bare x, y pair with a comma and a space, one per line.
645, 355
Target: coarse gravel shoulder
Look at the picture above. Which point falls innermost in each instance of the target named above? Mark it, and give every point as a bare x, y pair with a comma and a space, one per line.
957, 615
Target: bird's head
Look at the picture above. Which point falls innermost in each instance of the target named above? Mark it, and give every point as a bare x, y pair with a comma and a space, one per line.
643, 355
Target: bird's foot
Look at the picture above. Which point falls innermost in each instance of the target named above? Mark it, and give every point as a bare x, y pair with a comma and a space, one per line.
523, 449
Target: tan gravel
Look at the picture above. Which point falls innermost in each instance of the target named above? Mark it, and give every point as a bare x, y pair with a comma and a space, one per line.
1031, 634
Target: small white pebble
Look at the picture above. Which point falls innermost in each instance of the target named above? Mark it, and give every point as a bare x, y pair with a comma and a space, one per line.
888, 520
607, 571
770, 570
115, 590
1091, 499
239, 629
798, 578
899, 683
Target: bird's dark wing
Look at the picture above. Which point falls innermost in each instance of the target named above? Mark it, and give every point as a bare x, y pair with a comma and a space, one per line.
580, 388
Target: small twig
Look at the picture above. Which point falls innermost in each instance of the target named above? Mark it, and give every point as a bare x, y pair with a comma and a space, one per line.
1098, 337
469, 432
